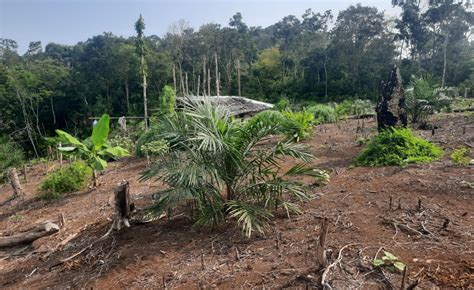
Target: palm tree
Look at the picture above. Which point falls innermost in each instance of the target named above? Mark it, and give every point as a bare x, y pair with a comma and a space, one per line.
226, 168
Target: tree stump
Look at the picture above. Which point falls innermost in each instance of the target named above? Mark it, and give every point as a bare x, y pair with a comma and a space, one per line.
391, 108
123, 207
15, 182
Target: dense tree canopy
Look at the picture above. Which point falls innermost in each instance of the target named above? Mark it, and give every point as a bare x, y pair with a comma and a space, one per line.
316, 57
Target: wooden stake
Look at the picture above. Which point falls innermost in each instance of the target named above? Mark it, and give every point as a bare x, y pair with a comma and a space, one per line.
402, 287
25, 178
321, 255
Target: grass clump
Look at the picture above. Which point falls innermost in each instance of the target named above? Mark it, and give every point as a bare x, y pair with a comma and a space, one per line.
72, 177
397, 147
323, 113
461, 156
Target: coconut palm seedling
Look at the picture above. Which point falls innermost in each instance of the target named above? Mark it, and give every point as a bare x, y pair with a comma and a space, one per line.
94, 150
228, 170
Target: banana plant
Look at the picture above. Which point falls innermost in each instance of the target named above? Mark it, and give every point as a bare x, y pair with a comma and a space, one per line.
94, 150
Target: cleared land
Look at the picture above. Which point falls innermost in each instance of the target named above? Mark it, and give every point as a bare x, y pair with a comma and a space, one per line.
430, 228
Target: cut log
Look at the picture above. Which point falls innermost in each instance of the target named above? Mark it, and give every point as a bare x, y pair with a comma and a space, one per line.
15, 182
31, 235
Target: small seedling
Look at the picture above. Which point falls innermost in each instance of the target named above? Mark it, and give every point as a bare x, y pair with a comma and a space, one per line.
389, 261
16, 218
461, 156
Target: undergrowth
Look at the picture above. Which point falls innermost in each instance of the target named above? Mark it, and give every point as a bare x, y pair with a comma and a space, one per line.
397, 147
72, 177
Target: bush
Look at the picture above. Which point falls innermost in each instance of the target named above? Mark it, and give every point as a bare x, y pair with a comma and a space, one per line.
167, 100
298, 125
123, 142
461, 156
11, 154
72, 177
282, 104
323, 113
397, 147
295, 126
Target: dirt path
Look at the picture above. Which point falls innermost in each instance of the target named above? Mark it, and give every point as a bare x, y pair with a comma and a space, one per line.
429, 227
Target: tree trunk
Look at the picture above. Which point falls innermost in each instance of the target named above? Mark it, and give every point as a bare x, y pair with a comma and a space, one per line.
208, 81
174, 78
444, 60
217, 73
238, 78
325, 78
15, 182
145, 107
127, 95
198, 84
52, 110
204, 75
123, 207
35, 233
187, 85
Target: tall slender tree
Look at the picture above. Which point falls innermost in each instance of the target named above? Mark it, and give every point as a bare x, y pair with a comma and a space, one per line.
141, 50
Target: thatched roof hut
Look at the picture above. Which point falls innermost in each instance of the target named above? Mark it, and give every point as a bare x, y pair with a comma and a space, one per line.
238, 106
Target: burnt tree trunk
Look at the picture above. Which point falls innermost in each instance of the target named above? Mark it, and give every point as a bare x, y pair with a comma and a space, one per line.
391, 108
123, 207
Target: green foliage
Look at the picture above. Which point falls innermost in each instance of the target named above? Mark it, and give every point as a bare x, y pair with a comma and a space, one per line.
155, 148
72, 177
423, 98
397, 147
461, 156
94, 150
283, 104
358, 108
389, 261
298, 125
323, 113
11, 154
295, 125
122, 141
167, 100
220, 164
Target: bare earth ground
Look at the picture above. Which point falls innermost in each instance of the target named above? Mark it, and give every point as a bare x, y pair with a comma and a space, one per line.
173, 253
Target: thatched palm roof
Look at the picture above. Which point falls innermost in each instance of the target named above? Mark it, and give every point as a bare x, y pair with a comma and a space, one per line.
237, 106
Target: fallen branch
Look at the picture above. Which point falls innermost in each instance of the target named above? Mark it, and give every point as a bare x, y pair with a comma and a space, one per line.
333, 264
33, 234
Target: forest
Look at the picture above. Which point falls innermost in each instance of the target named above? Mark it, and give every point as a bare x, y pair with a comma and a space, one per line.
317, 57
331, 150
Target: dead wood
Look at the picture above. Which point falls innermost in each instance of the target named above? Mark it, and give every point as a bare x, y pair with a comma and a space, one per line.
15, 182
123, 207
33, 234
321, 255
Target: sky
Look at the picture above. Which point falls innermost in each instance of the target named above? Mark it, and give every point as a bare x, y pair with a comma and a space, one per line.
71, 21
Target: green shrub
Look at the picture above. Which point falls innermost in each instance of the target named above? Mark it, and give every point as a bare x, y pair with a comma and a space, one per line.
155, 148
298, 125
282, 104
72, 177
295, 125
264, 119
397, 147
167, 100
461, 156
123, 142
11, 155
323, 113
